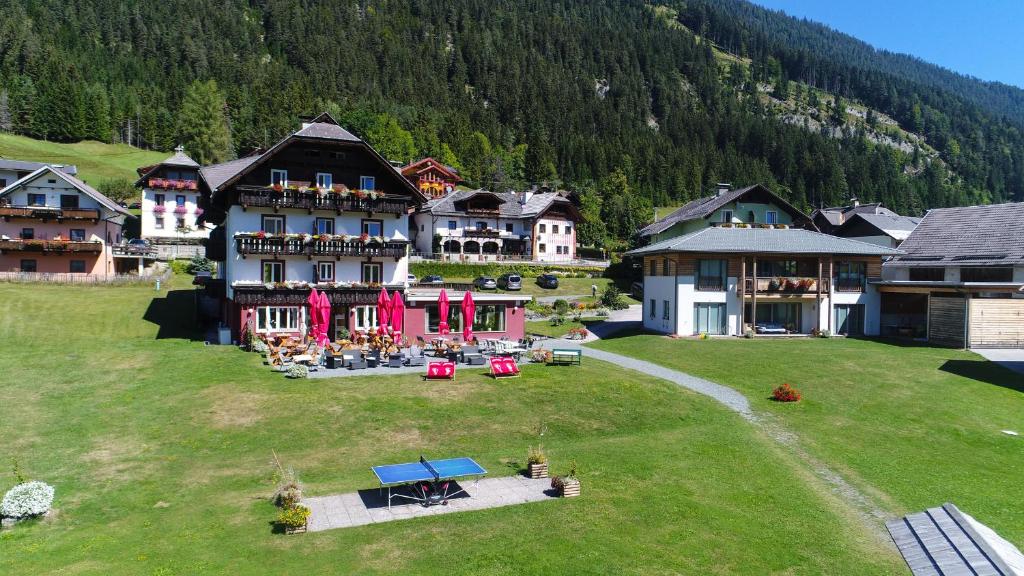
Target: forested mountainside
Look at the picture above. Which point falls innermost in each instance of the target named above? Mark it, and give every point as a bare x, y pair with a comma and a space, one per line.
635, 104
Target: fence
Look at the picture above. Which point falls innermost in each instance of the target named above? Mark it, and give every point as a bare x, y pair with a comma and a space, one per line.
68, 278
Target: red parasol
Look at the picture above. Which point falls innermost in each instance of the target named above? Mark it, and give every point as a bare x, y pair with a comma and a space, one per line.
468, 314
442, 312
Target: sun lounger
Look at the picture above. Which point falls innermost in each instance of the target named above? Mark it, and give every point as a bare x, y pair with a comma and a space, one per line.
440, 371
502, 366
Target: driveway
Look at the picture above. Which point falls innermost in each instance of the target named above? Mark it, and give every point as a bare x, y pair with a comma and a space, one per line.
1012, 358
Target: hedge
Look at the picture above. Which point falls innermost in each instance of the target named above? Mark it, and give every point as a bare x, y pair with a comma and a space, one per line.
460, 270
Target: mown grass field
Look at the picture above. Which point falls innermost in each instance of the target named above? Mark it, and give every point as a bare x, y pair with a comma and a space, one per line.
912, 426
96, 161
160, 451
547, 328
574, 289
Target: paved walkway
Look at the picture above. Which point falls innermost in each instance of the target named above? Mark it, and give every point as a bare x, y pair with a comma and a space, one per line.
1012, 358
371, 506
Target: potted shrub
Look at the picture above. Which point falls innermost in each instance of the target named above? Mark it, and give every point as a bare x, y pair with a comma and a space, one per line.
537, 463
294, 519
567, 486
298, 371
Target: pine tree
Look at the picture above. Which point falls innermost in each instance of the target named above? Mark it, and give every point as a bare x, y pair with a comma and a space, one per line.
202, 123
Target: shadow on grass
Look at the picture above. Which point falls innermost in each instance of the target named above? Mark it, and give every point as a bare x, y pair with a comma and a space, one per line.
985, 371
375, 498
175, 315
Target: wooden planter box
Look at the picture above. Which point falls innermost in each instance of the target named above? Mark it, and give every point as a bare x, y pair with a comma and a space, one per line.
299, 529
571, 489
538, 470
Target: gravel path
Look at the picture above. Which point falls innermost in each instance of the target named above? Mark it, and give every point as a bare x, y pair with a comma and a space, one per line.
870, 514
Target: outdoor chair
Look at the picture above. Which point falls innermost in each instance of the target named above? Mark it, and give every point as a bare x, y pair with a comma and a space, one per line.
357, 363
395, 361
471, 355
416, 357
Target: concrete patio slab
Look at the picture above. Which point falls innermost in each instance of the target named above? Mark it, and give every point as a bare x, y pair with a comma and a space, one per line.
371, 506
1011, 358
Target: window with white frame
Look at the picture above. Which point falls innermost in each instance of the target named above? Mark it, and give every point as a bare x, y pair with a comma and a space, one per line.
279, 177
542, 228
273, 224
325, 271
324, 180
278, 318
372, 272
542, 248
373, 227
365, 317
771, 217
568, 229
367, 183
554, 228
726, 215
273, 271
158, 223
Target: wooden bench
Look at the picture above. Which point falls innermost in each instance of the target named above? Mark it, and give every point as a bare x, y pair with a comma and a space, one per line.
566, 357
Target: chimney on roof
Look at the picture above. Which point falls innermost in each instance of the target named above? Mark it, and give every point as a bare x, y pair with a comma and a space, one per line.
179, 149
723, 187
855, 201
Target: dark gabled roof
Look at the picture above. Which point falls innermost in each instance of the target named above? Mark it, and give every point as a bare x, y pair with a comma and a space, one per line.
839, 215
178, 160
510, 206
967, 236
704, 207
891, 224
716, 239
26, 166
322, 127
74, 182
418, 166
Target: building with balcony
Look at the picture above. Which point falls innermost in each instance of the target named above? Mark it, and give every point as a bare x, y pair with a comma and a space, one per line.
483, 226
872, 223
750, 206
52, 222
170, 201
727, 280
433, 178
960, 281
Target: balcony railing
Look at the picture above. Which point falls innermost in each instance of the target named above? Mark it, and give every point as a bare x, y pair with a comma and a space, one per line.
710, 284
312, 200
171, 184
850, 285
246, 245
44, 213
50, 246
786, 285
260, 295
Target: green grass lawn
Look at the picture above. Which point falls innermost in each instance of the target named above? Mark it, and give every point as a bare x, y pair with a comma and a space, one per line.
546, 328
160, 451
912, 426
96, 161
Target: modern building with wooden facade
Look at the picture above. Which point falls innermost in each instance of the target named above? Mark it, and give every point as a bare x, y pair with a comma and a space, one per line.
53, 223
724, 280
961, 280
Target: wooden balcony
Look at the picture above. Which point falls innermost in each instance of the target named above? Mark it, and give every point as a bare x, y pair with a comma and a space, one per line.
787, 286
50, 246
260, 295
246, 245
44, 213
310, 200
169, 184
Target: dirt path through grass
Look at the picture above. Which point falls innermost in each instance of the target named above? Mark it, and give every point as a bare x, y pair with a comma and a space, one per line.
830, 481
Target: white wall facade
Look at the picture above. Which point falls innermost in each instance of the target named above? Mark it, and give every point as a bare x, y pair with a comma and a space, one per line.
300, 267
549, 246
428, 225
149, 218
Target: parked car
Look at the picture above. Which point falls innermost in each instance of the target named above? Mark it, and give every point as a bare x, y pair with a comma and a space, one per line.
547, 281
637, 290
432, 279
135, 205
137, 246
410, 278
485, 283
510, 282
201, 277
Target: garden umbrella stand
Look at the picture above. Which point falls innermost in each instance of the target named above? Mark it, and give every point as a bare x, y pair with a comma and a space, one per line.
325, 319
442, 312
383, 310
314, 316
468, 314
397, 314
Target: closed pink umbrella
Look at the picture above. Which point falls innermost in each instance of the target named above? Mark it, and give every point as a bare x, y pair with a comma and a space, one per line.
383, 310
468, 313
397, 314
314, 315
325, 318
442, 311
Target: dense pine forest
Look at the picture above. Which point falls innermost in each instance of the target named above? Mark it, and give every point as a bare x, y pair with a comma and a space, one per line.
633, 104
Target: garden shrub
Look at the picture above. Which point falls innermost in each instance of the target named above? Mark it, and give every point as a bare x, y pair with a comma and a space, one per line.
786, 393
294, 516
259, 346
179, 266
26, 500
612, 298
561, 307
460, 270
199, 263
298, 371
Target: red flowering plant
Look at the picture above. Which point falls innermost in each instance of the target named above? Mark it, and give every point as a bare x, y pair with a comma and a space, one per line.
359, 194
277, 187
786, 393
325, 237
261, 234
364, 237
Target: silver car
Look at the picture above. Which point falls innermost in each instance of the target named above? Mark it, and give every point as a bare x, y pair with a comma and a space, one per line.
485, 283
510, 282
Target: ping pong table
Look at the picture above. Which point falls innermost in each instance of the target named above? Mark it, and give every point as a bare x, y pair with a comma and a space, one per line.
429, 479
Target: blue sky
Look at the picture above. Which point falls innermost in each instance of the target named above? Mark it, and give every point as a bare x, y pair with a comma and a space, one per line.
982, 38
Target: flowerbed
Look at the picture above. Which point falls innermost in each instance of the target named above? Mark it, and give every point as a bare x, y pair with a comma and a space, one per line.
786, 393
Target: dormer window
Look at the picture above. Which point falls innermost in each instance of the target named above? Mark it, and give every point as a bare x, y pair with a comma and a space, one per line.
278, 177
324, 180
367, 183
